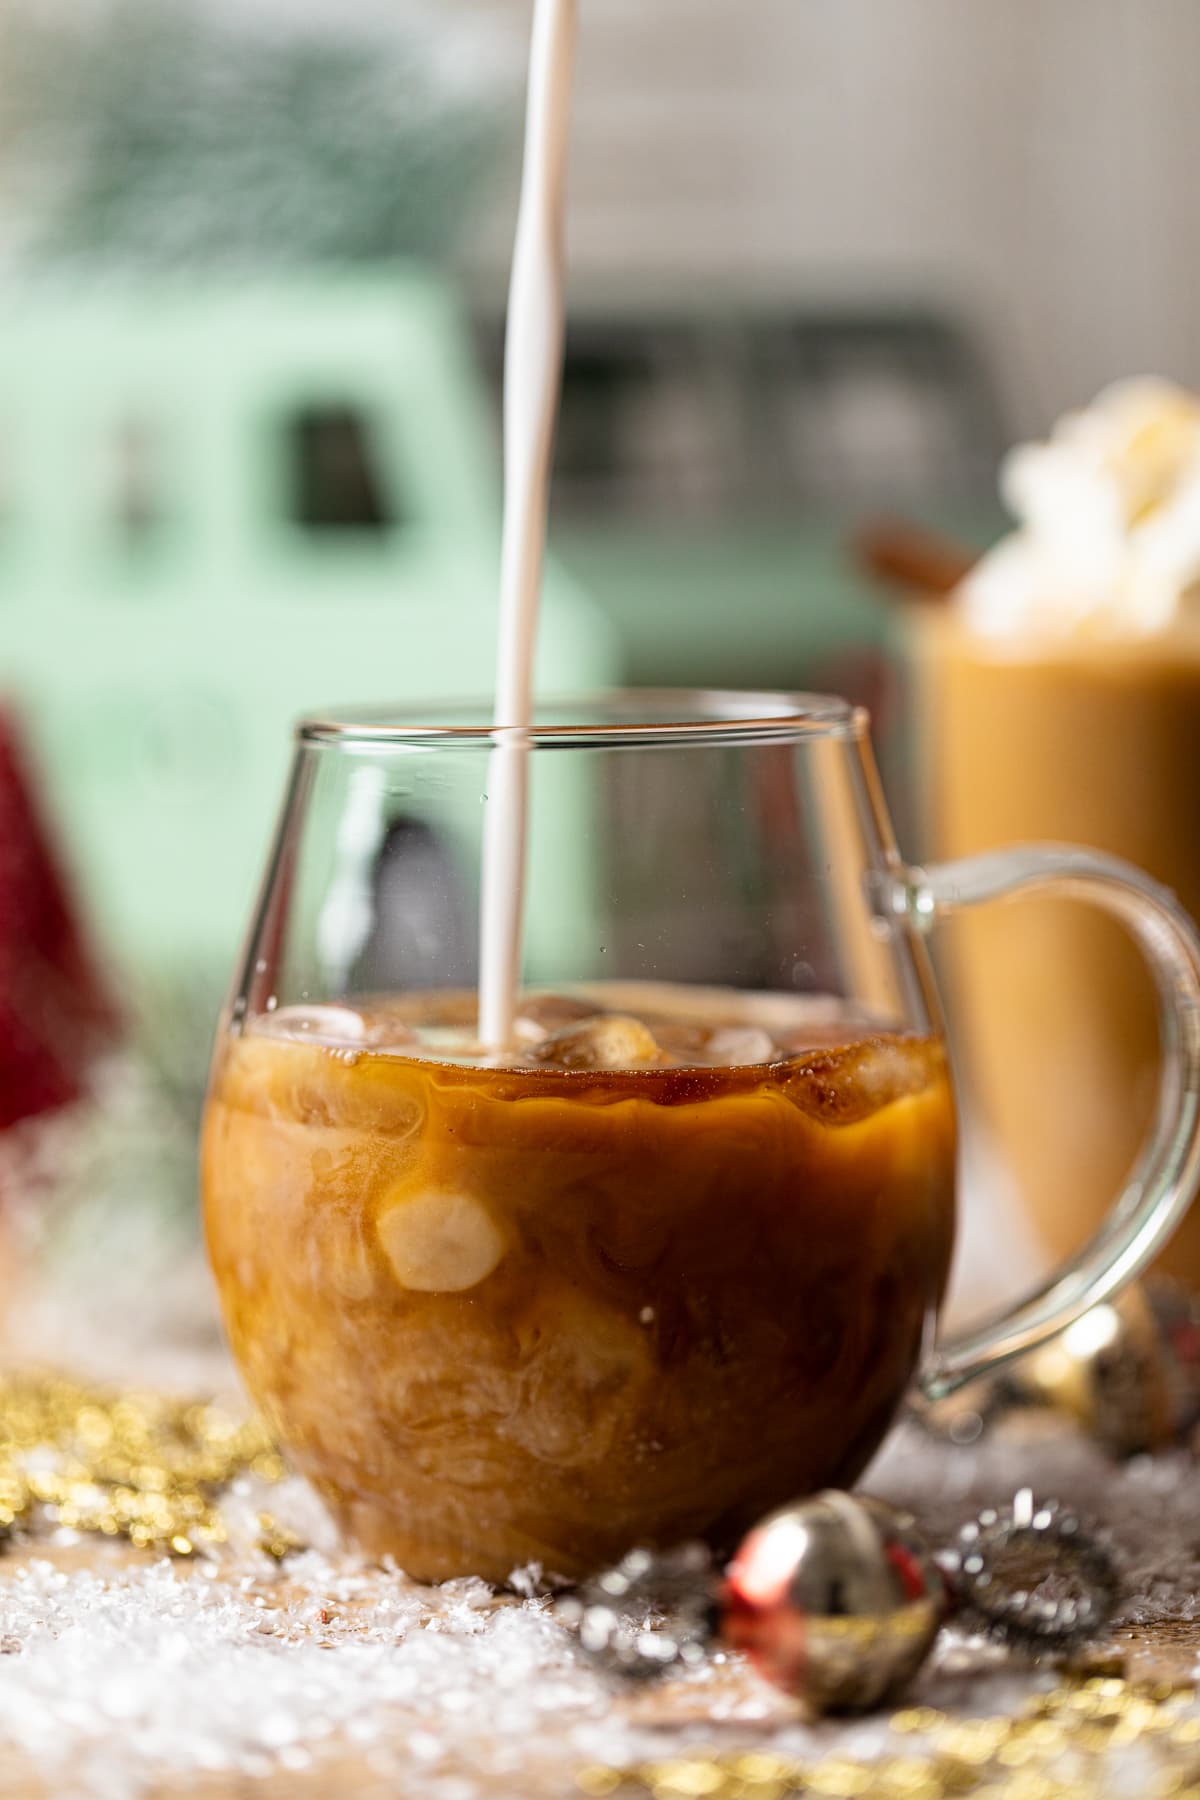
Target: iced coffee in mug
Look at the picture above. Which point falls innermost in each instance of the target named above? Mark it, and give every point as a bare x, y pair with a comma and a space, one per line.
672, 1253
1060, 699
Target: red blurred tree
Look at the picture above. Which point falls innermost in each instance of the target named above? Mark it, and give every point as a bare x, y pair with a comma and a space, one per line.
55, 1010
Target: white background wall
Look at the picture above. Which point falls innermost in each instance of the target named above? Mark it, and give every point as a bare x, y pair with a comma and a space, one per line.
1039, 160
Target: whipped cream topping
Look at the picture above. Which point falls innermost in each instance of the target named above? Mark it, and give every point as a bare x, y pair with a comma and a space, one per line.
1108, 511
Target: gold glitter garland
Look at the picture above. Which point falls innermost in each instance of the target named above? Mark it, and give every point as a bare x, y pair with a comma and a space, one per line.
126, 1464
1052, 1749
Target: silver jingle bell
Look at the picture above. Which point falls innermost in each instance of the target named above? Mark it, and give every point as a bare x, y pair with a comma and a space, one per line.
836, 1600
1032, 1575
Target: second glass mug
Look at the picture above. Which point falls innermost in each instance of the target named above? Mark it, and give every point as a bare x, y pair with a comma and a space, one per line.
637, 1282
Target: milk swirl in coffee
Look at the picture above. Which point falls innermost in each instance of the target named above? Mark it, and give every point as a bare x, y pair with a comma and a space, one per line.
669, 1264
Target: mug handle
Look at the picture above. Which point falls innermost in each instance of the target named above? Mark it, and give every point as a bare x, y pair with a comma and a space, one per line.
1164, 1178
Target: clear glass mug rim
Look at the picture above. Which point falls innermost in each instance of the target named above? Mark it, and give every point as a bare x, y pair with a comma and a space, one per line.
608, 719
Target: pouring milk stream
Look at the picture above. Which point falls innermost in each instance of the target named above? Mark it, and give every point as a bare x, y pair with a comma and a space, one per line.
532, 370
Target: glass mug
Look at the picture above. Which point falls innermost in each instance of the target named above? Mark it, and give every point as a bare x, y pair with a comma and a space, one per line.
675, 1257
1103, 737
